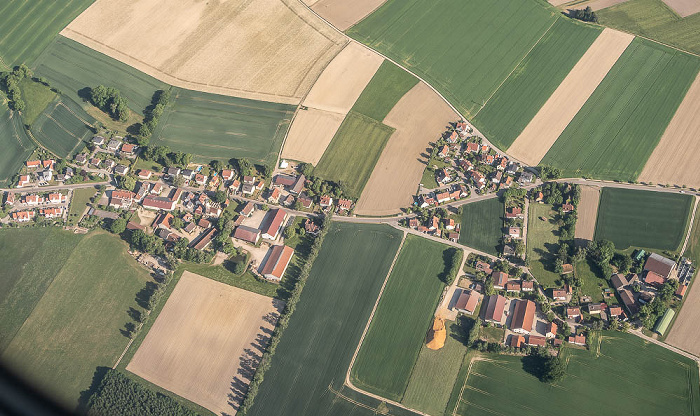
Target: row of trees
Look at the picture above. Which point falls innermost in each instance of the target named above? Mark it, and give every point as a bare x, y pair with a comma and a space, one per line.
452, 265
110, 100
166, 157
152, 116
10, 85
284, 320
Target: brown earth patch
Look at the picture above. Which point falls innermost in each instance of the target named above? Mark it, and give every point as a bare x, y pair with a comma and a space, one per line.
206, 342
676, 158
684, 332
311, 132
684, 7
587, 213
221, 47
419, 117
343, 13
566, 101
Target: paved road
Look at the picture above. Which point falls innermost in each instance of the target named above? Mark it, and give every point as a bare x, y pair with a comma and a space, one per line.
56, 187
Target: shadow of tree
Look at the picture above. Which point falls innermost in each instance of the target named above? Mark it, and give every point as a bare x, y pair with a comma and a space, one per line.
84, 398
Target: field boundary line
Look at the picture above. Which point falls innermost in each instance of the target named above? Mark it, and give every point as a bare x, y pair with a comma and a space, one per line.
690, 226
515, 67
123, 353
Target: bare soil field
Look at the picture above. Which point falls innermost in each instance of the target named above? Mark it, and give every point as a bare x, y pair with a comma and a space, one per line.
684, 332
587, 213
343, 13
684, 7
311, 132
594, 4
566, 101
419, 117
676, 158
206, 342
344, 79
221, 47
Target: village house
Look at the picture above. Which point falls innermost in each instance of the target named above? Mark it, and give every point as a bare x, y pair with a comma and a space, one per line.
516, 341
453, 236
526, 178
33, 199
449, 224
514, 212
23, 181
413, 222
628, 300
499, 280
478, 179
514, 232
158, 202
618, 281
144, 174
573, 312
57, 198
121, 199
80, 159
482, 266
452, 137
163, 220
98, 140
128, 149
523, 316
595, 308
276, 264
227, 174
465, 165
443, 152
310, 227
513, 286
172, 171
551, 331
467, 302
22, 216
121, 170
247, 234
497, 177
248, 189
272, 224
512, 168
528, 286
577, 340
9, 198
54, 212
567, 268
306, 202
113, 145
536, 341
204, 240
443, 176
187, 174
434, 223
487, 159
472, 147
274, 196
107, 164
494, 309
442, 197
614, 311
326, 201
344, 204
566, 208
559, 294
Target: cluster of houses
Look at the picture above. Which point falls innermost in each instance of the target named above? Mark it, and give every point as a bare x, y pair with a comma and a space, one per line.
39, 172
446, 228
50, 205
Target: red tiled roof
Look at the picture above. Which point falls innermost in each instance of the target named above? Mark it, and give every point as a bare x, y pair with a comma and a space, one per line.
523, 315
273, 222
277, 262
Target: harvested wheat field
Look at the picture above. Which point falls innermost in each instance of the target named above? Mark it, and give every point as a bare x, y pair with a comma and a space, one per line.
684, 7
587, 213
311, 132
676, 158
419, 117
206, 342
343, 13
270, 50
551, 120
684, 332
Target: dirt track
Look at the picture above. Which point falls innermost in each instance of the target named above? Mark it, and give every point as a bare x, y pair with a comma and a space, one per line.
587, 213
203, 341
676, 158
311, 132
214, 46
419, 117
566, 101
343, 13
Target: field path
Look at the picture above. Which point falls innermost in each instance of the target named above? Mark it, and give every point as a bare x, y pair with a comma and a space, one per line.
690, 226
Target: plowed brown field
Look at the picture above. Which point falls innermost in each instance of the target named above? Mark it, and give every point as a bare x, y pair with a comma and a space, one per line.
587, 213
343, 13
311, 132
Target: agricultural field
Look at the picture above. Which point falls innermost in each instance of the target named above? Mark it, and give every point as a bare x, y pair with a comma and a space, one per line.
534, 80
28, 27
78, 204
586, 214
307, 371
615, 132
311, 132
189, 354
435, 374
219, 127
482, 225
353, 152
213, 47
607, 380
655, 20
542, 243
343, 14
647, 219
383, 91
76, 326
36, 96
16, 144
63, 128
465, 62
404, 315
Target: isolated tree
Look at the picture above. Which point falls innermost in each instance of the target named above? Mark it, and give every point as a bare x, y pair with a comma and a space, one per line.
553, 369
118, 226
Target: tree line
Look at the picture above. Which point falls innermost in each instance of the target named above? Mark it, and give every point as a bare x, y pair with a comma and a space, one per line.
152, 116
10, 85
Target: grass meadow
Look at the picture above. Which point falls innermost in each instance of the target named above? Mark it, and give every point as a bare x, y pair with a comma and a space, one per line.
78, 203
404, 315
314, 354
464, 49
27, 27
619, 126
74, 327
63, 128
542, 242
16, 145
384, 90
592, 283
534, 80
648, 219
655, 20
211, 126
353, 152
482, 225
36, 96
626, 375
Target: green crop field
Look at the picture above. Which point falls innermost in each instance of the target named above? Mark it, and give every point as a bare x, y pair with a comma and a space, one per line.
37, 96
307, 372
527, 89
75, 326
78, 203
435, 373
353, 152
15, 143
402, 319
28, 26
213, 126
648, 219
384, 90
630, 376
614, 133
63, 128
464, 49
542, 243
72, 67
482, 225
655, 20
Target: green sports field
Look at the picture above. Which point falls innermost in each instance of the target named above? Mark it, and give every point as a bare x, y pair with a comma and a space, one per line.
625, 376
655, 20
384, 90
353, 152
648, 219
63, 127
614, 133
404, 315
526, 90
28, 26
482, 225
464, 49
15, 143
213, 126
74, 326
542, 243
308, 370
